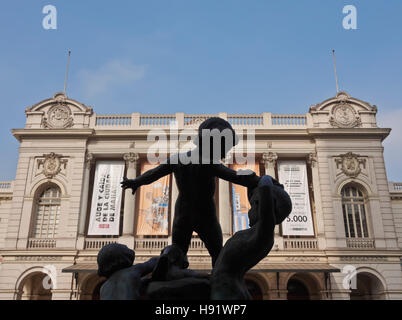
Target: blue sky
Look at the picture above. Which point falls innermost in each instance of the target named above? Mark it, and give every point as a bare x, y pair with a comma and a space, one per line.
200, 57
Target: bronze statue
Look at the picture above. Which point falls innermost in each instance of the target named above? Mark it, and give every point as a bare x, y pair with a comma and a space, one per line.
195, 207
270, 205
195, 211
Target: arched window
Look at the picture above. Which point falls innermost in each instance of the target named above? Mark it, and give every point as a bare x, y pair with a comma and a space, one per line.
354, 212
47, 216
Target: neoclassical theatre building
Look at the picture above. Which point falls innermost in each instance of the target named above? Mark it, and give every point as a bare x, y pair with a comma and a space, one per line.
343, 239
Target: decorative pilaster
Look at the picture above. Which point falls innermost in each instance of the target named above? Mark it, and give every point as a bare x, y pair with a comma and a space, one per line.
312, 161
224, 208
175, 194
89, 160
269, 161
129, 199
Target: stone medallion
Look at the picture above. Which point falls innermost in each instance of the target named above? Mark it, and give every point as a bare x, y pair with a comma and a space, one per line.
52, 164
59, 116
350, 164
344, 116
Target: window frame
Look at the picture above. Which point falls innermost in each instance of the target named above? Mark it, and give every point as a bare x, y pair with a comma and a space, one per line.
51, 206
354, 202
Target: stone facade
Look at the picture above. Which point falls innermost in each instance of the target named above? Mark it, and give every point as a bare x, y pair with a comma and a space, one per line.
339, 139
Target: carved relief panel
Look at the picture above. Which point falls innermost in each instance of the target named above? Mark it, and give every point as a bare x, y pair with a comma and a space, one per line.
352, 165
51, 165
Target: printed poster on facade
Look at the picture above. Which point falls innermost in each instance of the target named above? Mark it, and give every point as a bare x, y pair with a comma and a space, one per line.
153, 205
106, 199
240, 203
293, 175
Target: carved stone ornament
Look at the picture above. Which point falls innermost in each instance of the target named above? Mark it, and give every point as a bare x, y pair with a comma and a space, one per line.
59, 116
89, 159
312, 159
269, 159
131, 157
52, 164
350, 164
344, 116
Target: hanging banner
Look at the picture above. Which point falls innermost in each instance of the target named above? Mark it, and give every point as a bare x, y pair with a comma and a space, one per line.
153, 206
240, 203
293, 176
106, 199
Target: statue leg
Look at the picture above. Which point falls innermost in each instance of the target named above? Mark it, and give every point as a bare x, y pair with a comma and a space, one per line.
182, 231
210, 233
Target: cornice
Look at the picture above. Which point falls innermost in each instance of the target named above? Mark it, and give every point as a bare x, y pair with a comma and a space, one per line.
20, 134
45, 253
307, 133
352, 132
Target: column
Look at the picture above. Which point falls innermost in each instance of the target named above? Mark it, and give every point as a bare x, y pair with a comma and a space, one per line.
269, 161
312, 161
84, 195
175, 194
224, 209
337, 290
129, 199
278, 287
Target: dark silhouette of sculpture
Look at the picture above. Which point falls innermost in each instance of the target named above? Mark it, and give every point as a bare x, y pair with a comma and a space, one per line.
270, 205
195, 207
171, 281
125, 281
172, 265
195, 211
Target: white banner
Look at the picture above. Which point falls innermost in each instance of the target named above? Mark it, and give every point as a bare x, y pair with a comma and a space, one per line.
106, 199
293, 175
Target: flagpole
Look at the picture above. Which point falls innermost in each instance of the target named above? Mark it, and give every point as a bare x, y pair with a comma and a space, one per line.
336, 74
67, 69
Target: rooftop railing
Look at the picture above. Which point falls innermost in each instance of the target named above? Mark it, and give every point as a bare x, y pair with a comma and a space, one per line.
395, 187
183, 121
6, 186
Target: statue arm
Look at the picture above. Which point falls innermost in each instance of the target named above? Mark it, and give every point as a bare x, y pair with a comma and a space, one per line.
154, 174
246, 180
148, 177
147, 267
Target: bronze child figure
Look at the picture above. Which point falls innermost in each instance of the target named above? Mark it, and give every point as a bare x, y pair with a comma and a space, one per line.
195, 207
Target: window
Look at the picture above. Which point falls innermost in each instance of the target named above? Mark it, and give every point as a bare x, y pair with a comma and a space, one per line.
47, 214
354, 212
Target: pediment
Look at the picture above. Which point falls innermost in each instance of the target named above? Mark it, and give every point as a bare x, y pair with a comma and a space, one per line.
60, 99
58, 112
345, 99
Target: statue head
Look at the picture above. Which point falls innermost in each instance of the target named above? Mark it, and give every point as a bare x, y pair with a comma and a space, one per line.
114, 257
176, 257
282, 201
217, 135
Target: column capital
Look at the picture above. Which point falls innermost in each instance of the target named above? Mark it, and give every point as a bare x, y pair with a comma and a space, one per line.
131, 158
312, 159
269, 159
89, 160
